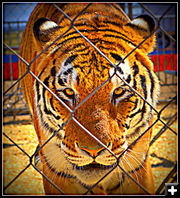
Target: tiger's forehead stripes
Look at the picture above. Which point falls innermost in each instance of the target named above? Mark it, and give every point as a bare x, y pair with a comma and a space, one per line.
67, 74
123, 71
89, 62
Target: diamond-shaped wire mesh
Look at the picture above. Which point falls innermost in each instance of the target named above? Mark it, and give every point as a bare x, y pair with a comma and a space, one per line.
167, 32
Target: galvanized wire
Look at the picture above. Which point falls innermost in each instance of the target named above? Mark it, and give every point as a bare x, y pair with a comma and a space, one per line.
72, 111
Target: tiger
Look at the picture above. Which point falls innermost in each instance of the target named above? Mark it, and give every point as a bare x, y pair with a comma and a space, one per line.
91, 89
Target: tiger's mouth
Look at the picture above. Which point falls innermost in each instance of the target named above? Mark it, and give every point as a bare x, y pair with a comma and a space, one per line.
93, 166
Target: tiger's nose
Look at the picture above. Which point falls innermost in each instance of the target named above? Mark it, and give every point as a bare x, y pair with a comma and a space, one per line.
93, 153
92, 150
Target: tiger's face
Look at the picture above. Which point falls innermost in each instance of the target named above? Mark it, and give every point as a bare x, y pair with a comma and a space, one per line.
72, 69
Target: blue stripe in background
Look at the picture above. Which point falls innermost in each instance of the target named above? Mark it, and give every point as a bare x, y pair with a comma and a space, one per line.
6, 58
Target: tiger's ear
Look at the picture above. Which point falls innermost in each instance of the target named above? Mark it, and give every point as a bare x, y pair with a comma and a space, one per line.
141, 27
43, 29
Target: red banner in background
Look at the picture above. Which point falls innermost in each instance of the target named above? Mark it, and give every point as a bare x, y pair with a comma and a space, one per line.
6, 67
6, 71
165, 62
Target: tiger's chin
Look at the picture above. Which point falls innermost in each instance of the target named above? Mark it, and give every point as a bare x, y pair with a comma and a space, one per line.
92, 173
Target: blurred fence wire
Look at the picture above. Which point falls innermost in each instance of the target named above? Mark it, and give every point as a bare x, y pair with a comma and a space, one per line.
164, 58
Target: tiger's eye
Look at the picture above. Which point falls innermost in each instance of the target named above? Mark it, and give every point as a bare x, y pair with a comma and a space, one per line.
118, 91
69, 92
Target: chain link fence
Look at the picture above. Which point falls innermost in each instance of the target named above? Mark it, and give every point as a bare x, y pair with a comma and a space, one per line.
164, 58
15, 17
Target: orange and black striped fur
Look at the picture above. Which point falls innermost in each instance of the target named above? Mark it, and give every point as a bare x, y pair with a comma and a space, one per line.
72, 69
